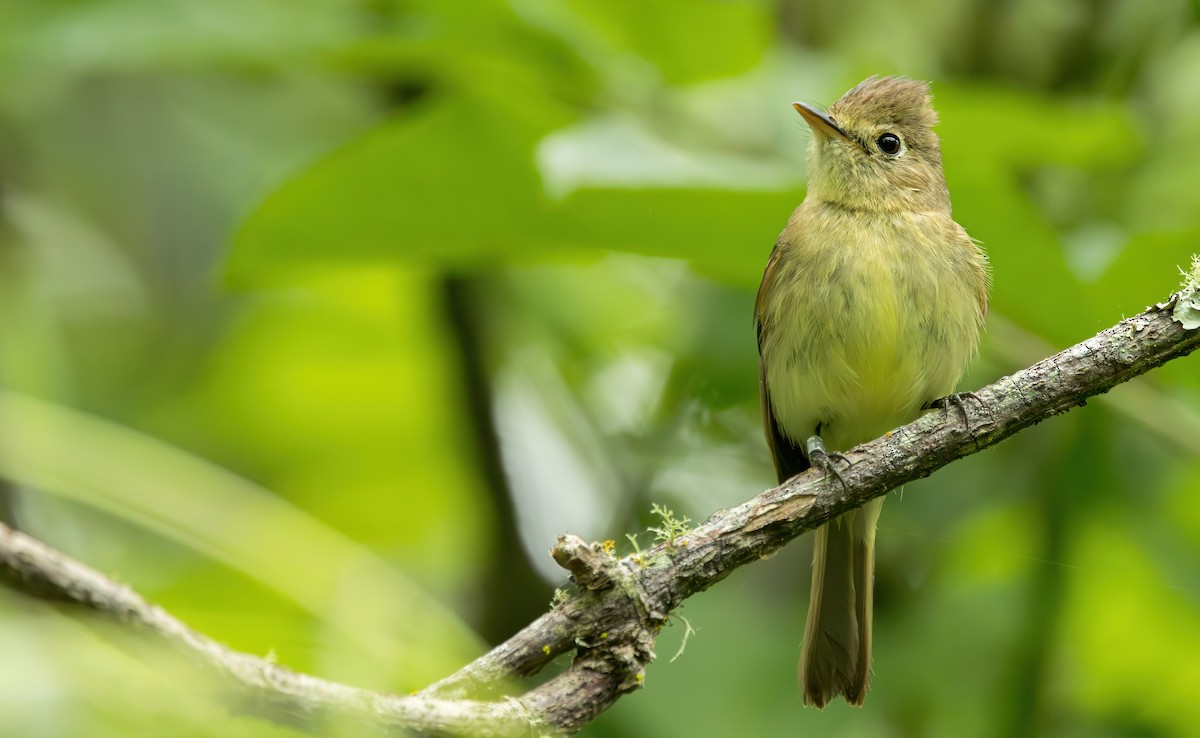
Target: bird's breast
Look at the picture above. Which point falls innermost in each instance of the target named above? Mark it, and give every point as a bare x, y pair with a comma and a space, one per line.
870, 320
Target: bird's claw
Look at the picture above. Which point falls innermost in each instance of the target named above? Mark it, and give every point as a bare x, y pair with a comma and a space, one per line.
824, 460
958, 400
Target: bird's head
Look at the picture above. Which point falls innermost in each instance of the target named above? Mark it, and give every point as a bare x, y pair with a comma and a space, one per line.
875, 149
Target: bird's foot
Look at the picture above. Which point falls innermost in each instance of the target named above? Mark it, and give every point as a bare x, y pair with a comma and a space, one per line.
824, 460
958, 400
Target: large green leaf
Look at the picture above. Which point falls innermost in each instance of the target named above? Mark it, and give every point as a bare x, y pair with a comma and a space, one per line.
455, 184
452, 183
686, 40
726, 234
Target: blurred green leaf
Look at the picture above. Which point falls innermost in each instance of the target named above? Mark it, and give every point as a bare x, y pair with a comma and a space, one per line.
1121, 642
438, 188
135, 477
687, 41
1147, 270
992, 139
342, 392
128, 35
726, 234
434, 186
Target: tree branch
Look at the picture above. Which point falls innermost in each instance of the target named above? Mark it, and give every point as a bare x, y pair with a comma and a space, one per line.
257, 685
612, 622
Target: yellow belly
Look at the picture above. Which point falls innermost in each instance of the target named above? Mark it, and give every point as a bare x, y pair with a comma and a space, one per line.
862, 337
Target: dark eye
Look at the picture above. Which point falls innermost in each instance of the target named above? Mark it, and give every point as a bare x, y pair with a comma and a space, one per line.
889, 143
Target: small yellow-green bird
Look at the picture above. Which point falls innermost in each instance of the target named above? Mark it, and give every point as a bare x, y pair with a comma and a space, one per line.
869, 310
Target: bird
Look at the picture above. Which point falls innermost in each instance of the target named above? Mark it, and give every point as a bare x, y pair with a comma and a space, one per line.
871, 306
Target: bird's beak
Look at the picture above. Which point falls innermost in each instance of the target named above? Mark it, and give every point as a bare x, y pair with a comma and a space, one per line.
819, 122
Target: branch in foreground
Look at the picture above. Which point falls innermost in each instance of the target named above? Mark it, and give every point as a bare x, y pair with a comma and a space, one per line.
612, 623
255, 684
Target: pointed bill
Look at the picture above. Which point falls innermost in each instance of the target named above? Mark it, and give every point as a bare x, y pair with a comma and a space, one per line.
818, 121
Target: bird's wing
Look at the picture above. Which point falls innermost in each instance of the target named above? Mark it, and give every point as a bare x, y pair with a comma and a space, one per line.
788, 457
983, 271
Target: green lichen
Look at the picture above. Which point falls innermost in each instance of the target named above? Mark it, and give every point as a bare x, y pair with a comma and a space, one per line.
637, 550
1187, 302
1191, 278
672, 527
688, 632
560, 596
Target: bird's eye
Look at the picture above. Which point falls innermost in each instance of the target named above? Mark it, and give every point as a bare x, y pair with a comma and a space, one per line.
889, 143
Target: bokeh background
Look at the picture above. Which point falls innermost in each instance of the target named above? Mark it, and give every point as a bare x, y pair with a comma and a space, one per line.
319, 320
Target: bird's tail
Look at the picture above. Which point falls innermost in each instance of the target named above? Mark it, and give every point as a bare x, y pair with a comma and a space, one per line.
836, 657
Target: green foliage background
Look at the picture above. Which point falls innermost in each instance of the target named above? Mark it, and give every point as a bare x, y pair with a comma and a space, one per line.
319, 320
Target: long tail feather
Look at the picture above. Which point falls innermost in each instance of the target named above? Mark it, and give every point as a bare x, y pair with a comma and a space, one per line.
836, 657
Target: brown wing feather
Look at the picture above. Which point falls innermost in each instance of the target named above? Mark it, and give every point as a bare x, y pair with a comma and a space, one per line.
789, 459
